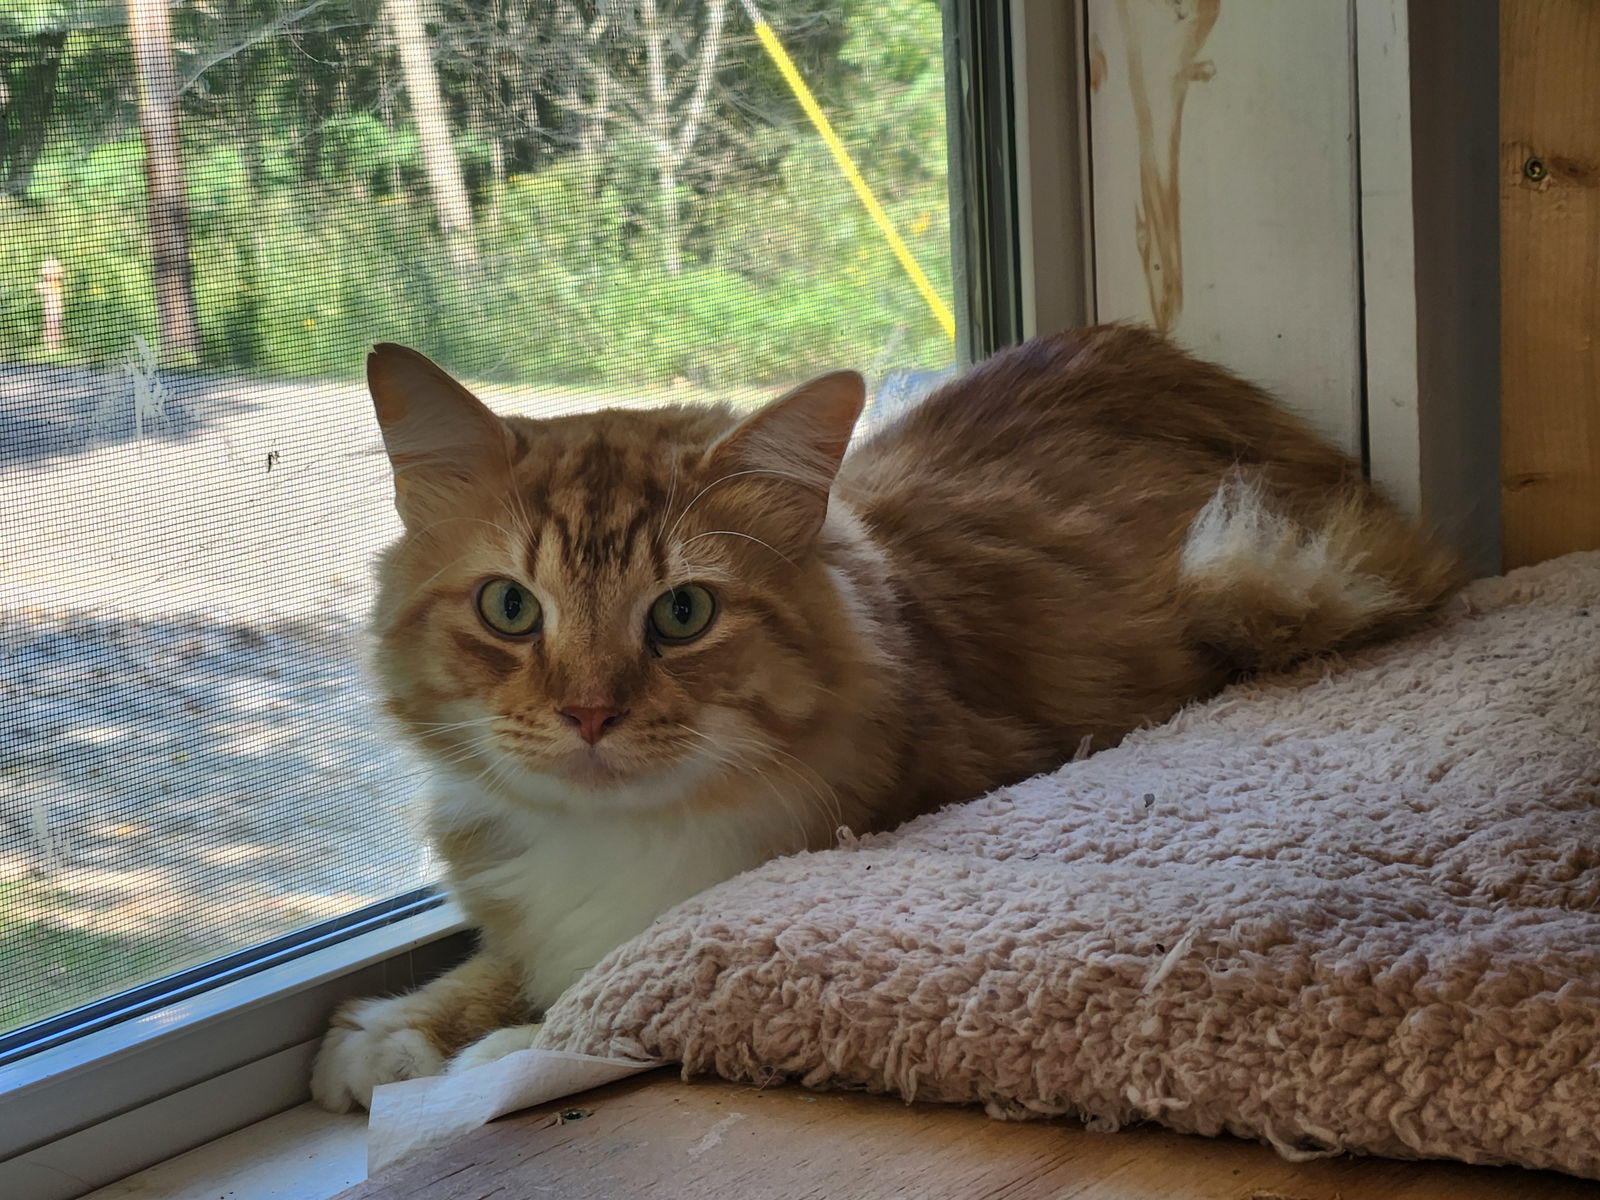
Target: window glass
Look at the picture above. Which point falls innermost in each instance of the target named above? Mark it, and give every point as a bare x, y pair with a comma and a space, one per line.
208, 210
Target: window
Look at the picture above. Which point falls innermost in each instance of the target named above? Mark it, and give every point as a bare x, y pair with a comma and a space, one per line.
207, 211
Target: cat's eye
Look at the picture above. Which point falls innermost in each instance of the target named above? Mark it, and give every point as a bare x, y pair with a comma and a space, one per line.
508, 608
682, 614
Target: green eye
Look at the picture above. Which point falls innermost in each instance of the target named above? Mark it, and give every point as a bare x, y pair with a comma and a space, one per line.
508, 608
682, 614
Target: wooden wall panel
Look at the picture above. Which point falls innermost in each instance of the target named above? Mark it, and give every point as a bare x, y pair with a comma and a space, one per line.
1550, 272
1222, 146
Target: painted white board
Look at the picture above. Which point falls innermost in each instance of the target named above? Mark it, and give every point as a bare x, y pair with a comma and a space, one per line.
1224, 188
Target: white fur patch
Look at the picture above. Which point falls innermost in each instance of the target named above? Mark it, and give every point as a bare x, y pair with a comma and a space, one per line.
582, 883
1238, 537
383, 1048
495, 1047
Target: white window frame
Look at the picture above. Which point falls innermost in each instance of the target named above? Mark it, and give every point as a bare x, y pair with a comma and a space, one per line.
1054, 221
102, 1105
1427, 75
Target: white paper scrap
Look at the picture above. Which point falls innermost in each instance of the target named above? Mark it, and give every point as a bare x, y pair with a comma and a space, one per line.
418, 1115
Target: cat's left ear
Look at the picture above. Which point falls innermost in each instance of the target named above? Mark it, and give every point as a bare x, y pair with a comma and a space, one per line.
440, 438
791, 451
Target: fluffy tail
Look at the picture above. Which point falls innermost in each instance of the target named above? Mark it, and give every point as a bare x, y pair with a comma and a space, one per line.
1266, 587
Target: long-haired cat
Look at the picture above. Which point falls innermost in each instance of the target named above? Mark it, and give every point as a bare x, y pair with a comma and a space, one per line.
647, 650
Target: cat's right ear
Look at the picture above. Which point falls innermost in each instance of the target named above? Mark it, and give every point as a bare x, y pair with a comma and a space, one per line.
440, 438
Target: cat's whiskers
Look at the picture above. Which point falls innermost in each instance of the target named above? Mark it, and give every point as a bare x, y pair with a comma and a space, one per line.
469, 748
827, 796
403, 601
821, 790
666, 509
497, 772
742, 762
728, 761
459, 753
521, 518
443, 726
732, 754
712, 746
428, 582
747, 536
785, 800
731, 741
818, 797
427, 529
735, 475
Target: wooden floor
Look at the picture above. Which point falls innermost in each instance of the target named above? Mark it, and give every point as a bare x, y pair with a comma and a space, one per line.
655, 1136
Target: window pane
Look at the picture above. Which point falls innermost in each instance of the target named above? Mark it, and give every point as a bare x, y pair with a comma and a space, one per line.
207, 212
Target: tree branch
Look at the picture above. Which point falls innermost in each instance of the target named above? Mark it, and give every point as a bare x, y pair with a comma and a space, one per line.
256, 37
710, 53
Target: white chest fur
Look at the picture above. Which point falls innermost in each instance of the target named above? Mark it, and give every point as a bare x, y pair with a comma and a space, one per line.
570, 887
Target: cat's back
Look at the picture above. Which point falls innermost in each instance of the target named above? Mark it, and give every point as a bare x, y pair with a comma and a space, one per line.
1106, 410
1037, 517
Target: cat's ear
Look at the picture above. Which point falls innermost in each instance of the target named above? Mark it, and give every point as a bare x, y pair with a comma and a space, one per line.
791, 450
803, 433
439, 437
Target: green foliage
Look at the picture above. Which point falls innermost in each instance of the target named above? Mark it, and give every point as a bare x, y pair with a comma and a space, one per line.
59, 965
356, 147
29, 18
312, 232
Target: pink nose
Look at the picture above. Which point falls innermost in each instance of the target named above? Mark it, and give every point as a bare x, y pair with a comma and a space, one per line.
592, 723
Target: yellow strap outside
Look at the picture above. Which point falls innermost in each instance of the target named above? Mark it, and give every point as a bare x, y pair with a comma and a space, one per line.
841, 156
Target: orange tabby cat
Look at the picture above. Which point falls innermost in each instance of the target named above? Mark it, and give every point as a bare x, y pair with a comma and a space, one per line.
650, 649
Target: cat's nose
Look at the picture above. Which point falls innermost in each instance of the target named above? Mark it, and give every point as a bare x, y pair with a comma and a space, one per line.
592, 723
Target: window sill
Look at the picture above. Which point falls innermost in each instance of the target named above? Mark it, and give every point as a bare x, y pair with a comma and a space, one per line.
302, 1154
97, 1108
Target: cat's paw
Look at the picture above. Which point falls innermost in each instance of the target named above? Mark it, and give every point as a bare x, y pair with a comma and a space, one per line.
496, 1046
370, 1042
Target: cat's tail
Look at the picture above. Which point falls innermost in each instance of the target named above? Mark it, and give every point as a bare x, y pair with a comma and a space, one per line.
1265, 587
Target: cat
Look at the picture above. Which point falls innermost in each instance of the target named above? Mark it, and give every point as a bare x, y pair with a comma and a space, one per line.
647, 650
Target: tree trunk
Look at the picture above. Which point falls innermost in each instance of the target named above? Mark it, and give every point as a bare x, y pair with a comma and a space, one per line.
246, 339
150, 26
28, 70
585, 44
673, 146
660, 132
406, 20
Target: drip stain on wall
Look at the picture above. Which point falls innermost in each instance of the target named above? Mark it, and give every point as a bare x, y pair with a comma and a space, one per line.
1157, 224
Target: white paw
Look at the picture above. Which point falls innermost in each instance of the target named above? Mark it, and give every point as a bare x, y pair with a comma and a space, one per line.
494, 1047
369, 1044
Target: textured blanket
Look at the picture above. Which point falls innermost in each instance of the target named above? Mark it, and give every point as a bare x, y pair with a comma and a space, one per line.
1351, 908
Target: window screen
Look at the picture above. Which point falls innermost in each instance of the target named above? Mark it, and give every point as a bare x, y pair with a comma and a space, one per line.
208, 210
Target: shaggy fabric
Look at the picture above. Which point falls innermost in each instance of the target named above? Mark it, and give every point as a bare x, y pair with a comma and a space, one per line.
1352, 908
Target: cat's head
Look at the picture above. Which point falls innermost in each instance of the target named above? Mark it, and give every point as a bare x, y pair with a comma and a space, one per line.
606, 609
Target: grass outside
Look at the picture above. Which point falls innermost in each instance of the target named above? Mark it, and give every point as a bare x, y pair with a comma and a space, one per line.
49, 967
